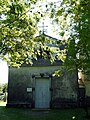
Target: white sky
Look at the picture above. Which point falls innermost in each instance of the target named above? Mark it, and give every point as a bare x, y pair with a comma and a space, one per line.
3, 72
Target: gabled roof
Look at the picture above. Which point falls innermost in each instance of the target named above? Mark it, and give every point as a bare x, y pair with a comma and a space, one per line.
50, 37
46, 62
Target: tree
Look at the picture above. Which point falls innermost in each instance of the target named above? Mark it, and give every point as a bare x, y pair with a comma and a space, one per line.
73, 19
18, 26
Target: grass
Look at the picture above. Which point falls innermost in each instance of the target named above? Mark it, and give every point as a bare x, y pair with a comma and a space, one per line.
27, 114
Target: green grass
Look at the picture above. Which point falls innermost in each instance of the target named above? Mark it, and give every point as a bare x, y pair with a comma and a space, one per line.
27, 114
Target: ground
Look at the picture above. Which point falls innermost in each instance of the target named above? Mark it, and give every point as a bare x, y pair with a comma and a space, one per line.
28, 114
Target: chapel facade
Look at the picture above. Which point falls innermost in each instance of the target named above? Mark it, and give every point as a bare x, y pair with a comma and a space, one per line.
36, 87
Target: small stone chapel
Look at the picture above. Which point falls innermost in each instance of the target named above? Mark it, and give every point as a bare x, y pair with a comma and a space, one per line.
36, 87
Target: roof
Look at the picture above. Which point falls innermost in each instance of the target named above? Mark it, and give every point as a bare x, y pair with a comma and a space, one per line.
46, 62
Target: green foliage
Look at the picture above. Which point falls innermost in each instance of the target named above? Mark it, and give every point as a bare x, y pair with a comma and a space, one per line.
18, 44
3, 87
17, 30
46, 48
18, 26
58, 73
73, 19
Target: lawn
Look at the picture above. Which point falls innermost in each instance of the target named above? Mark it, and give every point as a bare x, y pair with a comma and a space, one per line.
27, 114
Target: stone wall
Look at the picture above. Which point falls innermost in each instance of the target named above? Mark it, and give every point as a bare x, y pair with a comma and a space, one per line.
63, 89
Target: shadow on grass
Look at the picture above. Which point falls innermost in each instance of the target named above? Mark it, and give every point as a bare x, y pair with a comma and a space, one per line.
28, 114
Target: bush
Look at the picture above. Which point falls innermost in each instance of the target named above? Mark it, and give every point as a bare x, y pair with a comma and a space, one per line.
3, 87
2, 96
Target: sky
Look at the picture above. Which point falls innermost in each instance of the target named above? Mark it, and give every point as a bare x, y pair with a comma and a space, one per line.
3, 72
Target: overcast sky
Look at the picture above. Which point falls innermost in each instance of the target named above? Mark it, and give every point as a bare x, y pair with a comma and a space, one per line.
3, 72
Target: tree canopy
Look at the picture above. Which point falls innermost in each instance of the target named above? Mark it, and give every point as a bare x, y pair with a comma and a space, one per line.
18, 26
73, 19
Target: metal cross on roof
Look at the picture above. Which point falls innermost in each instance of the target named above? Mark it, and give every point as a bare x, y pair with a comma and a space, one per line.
43, 28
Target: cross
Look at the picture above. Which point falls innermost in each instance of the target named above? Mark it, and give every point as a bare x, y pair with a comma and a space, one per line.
43, 28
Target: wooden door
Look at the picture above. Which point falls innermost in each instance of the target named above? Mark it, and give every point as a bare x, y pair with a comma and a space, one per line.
42, 93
